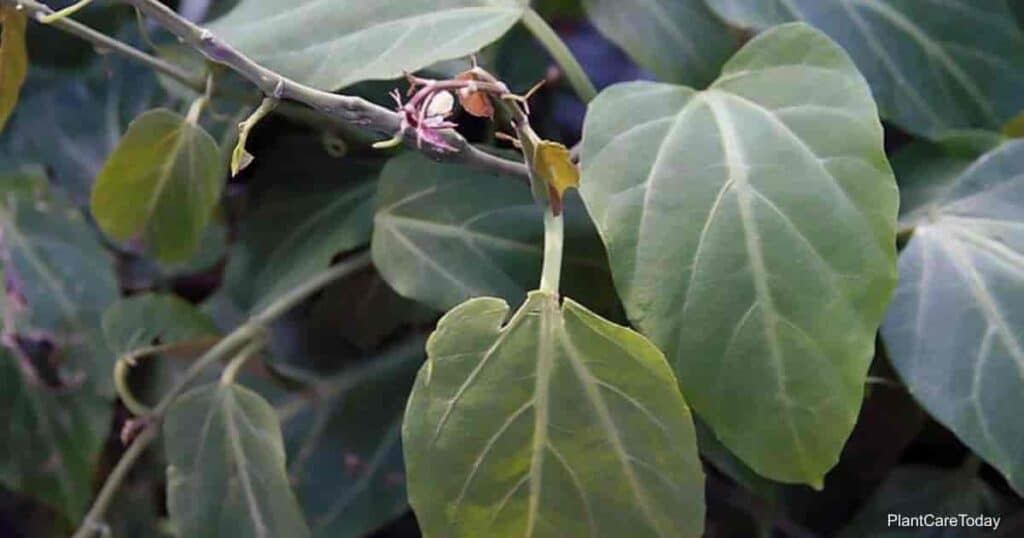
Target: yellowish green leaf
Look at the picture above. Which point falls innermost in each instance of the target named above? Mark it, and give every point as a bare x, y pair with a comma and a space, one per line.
553, 164
240, 157
13, 60
161, 184
1015, 127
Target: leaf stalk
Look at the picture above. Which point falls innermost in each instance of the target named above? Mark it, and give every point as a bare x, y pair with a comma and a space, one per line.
554, 241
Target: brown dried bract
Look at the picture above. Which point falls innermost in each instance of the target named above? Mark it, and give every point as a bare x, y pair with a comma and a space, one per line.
476, 103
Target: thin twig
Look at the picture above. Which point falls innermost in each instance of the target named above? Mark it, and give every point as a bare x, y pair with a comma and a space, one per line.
350, 109
238, 338
36, 10
341, 109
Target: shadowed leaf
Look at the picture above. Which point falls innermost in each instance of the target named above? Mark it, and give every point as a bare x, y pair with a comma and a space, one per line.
954, 328
226, 467
935, 67
50, 438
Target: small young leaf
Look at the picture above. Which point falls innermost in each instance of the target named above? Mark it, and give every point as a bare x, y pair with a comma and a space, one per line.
13, 60
226, 467
162, 183
751, 229
558, 423
240, 157
154, 319
954, 328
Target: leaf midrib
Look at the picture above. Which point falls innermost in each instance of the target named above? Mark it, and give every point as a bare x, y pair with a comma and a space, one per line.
230, 406
735, 161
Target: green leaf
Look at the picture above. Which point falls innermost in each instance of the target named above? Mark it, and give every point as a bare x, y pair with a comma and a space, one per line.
751, 231
294, 235
154, 319
226, 473
914, 490
680, 41
345, 444
444, 233
162, 183
954, 327
935, 67
335, 44
50, 438
13, 60
65, 279
558, 423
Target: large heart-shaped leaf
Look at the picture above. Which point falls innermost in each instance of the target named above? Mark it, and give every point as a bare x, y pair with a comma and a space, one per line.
558, 423
336, 43
751, 230
293, 236
680, 41
13, 60
50, 437
63, 279
954, 329
226, 466
161, 183
935, 67
445, 233
345, 444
